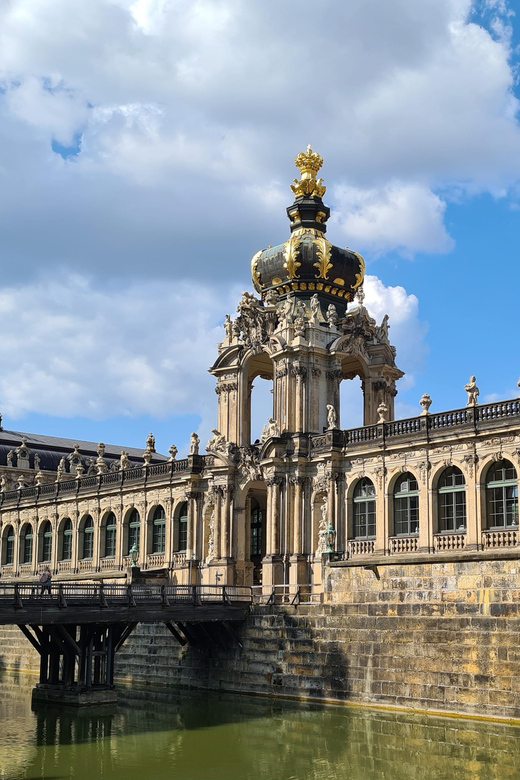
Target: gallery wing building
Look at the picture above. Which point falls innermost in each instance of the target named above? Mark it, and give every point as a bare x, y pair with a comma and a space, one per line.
309, 499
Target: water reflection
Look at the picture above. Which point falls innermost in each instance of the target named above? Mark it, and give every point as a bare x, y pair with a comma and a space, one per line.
162, 733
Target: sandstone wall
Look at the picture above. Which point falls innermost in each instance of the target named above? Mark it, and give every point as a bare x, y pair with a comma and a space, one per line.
434, 636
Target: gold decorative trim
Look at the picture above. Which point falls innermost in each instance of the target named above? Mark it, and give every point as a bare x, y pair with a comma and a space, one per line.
323, 251
254, 272
361, 275
290, 253
276, 280
339, 280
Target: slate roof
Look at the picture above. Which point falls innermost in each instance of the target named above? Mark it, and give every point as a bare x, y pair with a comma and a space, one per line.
52, 448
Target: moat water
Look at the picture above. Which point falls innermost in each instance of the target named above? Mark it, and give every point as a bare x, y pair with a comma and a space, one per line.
162, 733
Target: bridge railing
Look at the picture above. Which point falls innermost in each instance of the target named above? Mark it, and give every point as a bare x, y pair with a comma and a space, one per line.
106, 595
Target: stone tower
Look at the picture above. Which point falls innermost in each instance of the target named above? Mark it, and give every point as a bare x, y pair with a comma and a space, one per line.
301, 332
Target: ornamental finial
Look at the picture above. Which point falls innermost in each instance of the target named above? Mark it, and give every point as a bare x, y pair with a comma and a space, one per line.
309, 163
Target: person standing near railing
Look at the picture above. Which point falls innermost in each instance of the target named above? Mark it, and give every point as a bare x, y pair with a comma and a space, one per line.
45, 581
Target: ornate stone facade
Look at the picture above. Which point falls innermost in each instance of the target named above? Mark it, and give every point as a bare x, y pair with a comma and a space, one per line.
279, 510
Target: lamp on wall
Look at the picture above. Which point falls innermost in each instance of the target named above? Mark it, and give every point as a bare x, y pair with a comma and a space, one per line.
330, 538
134, 555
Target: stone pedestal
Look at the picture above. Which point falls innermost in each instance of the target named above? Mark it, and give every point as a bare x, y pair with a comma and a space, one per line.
220, 571
272, 572
74, 697
298, 572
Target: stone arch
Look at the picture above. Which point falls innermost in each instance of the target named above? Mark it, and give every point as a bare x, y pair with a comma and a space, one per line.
356, 499
26, 545
86, 536
394, 509
156, 528
180, 522
108, 527
256, 365
8, 544
499, 493
45, 540
65, 530
440, 505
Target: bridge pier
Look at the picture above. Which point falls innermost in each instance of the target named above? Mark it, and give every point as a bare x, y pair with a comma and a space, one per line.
77, 661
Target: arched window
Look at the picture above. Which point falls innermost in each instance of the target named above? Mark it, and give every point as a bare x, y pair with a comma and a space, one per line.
406, 505
88, 538
159, 531
26, 547
110, 536
364, 525
134, 530
257, 527
66, 542
451, 490
502, 495
47, 542
8, 552
182, 528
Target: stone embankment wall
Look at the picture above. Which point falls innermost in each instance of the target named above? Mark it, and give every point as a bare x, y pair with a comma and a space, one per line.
433, 636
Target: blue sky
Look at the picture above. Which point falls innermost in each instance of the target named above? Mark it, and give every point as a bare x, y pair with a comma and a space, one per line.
146, 151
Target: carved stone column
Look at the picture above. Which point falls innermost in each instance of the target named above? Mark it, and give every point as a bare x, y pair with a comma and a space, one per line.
382, 500
425, 541
272, 565
55, 544
75, 541
473, 504
96, 553
341, 534
298, 562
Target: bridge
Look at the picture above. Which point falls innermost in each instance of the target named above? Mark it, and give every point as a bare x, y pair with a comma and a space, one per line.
77, 628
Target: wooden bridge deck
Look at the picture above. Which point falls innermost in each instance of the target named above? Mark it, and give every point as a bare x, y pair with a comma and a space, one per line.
79, 603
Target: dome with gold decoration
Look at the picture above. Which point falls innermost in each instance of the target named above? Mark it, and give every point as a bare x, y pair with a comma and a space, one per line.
307, 263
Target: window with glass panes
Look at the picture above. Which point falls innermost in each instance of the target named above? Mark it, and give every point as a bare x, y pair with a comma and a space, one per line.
451, 495
502, 496
256, 528
27, 544
182, 538
110, 536
66, 552
159, 531
88, 538
134, 530
9, 545
406, 505
47, 542
364, 525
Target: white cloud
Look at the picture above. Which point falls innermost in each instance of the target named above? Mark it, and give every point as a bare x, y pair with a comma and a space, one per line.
72, 349
188, 109
404, 217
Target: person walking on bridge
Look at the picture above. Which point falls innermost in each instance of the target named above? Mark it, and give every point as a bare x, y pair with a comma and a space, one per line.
45, 581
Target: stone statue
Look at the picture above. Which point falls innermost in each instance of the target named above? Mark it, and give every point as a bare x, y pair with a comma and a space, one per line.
10, 456
150, 442
173, 452
332, 418
322, 527
147, 457
37, 461
382, 330
124, 461
332, 315
92, 468
472, 391
20, 483
382, 411
101, 466
286, 315
425, 402
271, 298
61, 470
39, 478
228, 327
101, 449
272, 428
218, 443
195, 441
211, 539
316, 314
360, 295
4, 483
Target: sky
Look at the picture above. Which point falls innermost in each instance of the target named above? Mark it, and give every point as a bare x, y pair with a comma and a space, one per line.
146, 151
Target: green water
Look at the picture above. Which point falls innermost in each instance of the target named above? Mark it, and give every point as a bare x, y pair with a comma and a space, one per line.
154, 734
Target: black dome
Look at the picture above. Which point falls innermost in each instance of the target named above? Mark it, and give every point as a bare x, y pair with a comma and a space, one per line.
307, 262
